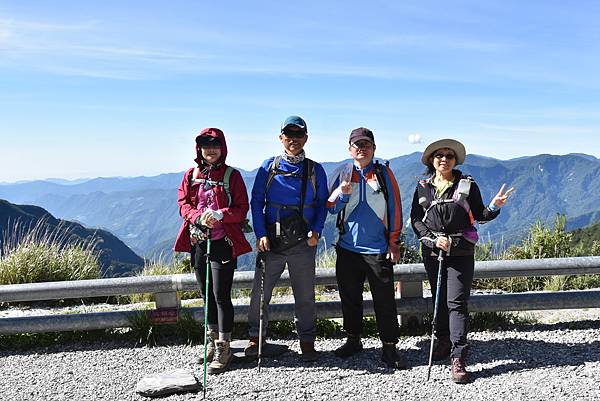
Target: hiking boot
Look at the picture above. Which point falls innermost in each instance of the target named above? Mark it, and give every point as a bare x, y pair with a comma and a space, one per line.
441, 350
392, 358
251, 349
352, 346
222, 358
210, 347
459, 371
309, 354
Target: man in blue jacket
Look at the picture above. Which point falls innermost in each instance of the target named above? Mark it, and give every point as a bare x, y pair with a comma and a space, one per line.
288, 214
366, 198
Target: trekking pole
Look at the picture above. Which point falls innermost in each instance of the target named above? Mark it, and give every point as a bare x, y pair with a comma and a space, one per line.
435, 308
208, 233
262, 266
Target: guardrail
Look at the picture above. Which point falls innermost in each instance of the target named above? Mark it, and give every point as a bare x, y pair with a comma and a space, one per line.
410, 301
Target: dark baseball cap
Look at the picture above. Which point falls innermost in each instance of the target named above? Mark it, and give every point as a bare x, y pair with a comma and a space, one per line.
294, 120
361, 133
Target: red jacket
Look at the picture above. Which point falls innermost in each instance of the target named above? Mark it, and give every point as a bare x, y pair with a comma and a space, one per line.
233, 214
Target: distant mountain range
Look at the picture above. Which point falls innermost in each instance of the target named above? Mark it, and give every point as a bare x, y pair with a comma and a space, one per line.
115, 257
143, 211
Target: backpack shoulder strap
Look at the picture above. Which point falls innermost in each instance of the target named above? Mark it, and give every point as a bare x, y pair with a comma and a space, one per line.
272, 172
378, 169
192, 175
307, 166
312, 176
341, 217
339, 223
424, 194
226, 178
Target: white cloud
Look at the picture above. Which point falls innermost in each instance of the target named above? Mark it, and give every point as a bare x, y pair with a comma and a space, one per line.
414, 139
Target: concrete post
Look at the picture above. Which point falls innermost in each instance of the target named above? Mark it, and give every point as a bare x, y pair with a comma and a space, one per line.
167, 300
409, 289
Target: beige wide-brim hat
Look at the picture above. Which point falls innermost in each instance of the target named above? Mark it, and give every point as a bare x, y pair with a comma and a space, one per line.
457, 147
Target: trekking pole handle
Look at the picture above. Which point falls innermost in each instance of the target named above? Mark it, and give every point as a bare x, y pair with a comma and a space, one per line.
441, 252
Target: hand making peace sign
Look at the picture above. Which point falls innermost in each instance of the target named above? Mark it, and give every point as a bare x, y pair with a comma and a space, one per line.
501, 197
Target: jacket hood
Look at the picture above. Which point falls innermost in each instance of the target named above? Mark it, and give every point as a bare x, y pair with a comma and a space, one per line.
215, 133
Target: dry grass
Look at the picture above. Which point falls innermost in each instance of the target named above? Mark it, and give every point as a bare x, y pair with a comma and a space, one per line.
40, 253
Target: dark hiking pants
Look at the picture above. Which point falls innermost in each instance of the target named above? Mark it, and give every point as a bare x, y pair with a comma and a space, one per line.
351, 269
453, 313
222, 266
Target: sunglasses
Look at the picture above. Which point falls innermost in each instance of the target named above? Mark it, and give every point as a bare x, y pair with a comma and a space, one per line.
448, 156
294, 134
362, 145
210, 145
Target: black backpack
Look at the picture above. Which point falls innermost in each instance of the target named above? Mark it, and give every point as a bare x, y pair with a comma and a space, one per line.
291, 230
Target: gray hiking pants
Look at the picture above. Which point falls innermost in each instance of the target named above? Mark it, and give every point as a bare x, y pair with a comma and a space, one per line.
300, 261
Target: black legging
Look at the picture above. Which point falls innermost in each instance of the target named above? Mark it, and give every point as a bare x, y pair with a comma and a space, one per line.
222, 266
453, 314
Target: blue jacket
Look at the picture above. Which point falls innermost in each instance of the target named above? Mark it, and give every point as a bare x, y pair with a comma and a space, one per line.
286, 191
366, 216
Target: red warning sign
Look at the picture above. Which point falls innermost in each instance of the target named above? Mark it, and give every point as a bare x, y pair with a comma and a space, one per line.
164, 316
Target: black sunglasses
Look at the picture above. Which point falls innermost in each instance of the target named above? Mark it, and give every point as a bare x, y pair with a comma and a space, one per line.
448, 156
293, 134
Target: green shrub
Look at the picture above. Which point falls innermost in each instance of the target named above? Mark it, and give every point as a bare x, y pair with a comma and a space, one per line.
541, 242
485, 251
281, 328
490, 321
41, 254
408, 253
327, 328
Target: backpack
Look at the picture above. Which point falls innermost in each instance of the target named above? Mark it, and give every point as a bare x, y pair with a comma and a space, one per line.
210, 183
307, 172
427, 200
378, 170
245, 225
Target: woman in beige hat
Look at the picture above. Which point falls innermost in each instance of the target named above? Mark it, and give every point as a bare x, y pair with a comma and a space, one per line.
444, 209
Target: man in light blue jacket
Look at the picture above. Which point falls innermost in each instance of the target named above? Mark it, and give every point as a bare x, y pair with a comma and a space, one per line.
366, 198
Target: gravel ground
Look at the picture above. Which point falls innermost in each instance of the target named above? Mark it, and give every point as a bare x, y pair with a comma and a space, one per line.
541, 362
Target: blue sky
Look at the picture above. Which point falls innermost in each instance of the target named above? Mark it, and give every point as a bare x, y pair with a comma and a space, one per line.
120, 88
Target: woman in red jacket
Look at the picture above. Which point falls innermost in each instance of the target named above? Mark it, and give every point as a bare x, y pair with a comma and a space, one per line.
213, 186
